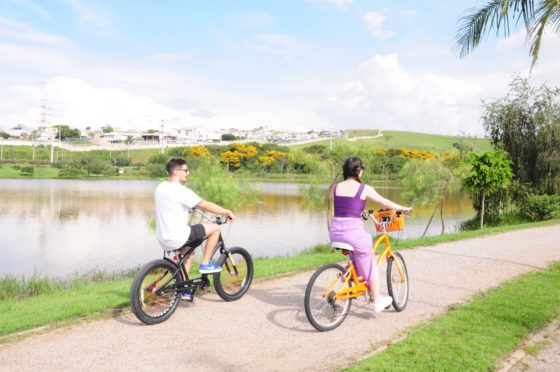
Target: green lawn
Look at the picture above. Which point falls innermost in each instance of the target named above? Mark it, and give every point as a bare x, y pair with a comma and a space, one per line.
411, 140
474, 336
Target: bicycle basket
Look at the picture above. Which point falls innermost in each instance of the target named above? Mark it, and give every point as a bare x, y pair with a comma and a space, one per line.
389, 218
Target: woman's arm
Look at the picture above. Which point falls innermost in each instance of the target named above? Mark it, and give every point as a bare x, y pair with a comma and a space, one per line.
215, 208
374, 196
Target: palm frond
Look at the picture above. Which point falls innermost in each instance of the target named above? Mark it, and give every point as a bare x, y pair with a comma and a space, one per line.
546, 15
496, 14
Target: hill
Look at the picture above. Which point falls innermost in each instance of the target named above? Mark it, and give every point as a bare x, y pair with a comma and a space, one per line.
401, 139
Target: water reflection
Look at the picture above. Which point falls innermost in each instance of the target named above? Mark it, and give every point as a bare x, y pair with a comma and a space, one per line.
63, 227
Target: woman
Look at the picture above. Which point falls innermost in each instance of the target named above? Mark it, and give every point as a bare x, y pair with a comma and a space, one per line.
350, 198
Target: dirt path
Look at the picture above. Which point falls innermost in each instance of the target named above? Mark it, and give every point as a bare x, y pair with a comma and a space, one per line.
268, 330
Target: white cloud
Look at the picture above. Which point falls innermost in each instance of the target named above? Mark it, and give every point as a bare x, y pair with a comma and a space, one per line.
32, 6
409, 13
254, 19
280, 44
374, 23
386, 95
23, 32
341, 4
90, 18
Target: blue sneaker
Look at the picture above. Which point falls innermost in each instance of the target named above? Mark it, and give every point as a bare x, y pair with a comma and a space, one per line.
187, 295
209, 268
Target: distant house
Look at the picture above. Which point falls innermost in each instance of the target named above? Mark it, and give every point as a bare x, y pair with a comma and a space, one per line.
151, 136
20, 132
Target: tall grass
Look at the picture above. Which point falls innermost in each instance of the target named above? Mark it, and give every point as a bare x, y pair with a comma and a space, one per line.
16, 288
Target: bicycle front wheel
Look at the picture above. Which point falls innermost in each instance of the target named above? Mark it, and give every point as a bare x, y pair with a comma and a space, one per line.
153, 297
236, 276
397, 281
323, 310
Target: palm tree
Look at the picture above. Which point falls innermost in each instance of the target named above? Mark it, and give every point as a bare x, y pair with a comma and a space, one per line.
537, 15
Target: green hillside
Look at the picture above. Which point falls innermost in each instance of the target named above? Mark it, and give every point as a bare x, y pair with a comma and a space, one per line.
410, 140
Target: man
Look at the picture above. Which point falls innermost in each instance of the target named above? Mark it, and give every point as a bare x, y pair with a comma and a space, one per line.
173, 202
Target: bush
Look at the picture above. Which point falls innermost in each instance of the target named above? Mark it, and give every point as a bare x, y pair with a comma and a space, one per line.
121, 162
542, 207
26, 171
158, 159
156, 170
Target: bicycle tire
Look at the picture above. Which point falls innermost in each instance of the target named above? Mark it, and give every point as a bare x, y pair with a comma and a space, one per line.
232, 283
325, 313
397, 286
148, 306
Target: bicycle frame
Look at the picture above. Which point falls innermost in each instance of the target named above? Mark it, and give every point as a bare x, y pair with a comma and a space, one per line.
359, 288
199, 282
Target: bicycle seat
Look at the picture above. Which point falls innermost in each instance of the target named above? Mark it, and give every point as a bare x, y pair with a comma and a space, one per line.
342, 246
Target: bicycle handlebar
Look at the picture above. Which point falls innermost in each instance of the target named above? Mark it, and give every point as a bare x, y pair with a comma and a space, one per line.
367, 214
218, 220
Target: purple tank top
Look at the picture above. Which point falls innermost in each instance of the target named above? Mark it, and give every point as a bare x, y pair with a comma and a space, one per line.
349, 206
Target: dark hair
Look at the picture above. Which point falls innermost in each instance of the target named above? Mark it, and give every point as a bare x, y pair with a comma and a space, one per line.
352, 168
174, 164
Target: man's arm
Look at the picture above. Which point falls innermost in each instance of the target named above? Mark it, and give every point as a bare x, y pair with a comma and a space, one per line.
215, 208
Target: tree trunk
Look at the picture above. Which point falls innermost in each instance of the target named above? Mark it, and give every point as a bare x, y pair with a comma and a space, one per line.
482, 212
445, 188
330, 202
429, 222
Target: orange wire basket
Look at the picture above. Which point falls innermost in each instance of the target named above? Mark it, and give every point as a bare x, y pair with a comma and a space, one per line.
389, 218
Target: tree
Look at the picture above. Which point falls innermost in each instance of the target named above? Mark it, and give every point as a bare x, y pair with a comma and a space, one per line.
107, 129
526, 124
4, 135
231, 158
64, 132
426, 183
488, 173
537, 16
228, 137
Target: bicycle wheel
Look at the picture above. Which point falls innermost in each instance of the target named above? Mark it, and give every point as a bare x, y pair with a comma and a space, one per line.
397, 284
147, 305
235, 278
322, 309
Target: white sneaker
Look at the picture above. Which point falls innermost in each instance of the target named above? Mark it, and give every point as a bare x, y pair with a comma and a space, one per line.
384, 301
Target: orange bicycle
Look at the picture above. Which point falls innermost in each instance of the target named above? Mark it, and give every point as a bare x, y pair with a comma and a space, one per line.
330, 290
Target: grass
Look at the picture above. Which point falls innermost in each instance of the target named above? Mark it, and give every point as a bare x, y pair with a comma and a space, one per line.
80, 297
411, 140
476, 335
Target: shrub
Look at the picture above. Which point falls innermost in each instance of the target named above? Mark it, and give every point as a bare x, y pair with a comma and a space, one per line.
26, 171
542, 207
158, 159
156, 170
121, 162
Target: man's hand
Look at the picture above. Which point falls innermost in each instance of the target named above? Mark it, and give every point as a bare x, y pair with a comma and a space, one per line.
230, 215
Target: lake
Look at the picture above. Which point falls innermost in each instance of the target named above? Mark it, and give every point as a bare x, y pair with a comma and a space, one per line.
59, 228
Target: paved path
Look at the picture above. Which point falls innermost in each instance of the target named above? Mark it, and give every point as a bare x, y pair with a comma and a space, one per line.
267, 329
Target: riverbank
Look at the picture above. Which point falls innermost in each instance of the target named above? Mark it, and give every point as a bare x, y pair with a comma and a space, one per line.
270, 320
80, 299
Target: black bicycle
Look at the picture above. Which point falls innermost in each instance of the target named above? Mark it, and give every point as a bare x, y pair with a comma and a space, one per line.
158, 286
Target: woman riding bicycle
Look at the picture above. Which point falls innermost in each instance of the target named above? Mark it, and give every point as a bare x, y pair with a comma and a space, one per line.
350, 198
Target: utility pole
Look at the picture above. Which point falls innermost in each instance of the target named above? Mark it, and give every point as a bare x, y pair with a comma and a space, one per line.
330, 132
161, 137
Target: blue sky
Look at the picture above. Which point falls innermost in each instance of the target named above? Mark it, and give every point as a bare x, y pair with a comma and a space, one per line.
291, 64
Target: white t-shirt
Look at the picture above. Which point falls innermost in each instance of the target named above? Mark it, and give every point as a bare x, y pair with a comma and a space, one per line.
173, 201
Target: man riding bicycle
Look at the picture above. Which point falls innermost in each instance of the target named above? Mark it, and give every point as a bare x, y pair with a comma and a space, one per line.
173, 201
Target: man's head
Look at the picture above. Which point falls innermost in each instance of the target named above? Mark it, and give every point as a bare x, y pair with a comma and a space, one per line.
177, 169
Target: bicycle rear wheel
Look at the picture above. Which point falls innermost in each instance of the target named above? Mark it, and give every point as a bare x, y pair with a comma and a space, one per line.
236, 276
397, 282
149, 306
322, 309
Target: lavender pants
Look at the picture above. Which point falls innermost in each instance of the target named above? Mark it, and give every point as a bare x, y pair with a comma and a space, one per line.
351, 231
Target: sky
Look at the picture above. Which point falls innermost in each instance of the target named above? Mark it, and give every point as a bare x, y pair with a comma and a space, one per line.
290, 65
